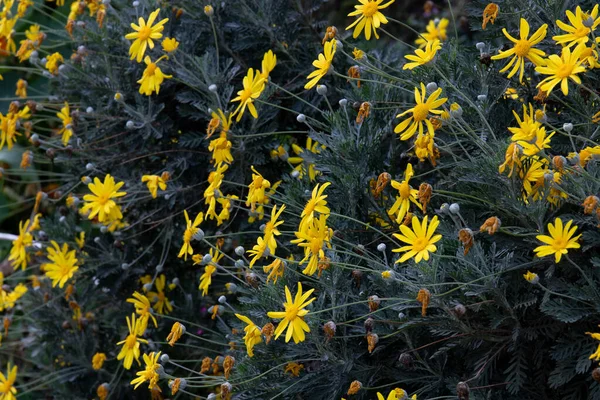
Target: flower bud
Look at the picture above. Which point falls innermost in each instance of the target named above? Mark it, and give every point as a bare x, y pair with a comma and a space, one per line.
240, 251
431, 87
124, 266
136, 3
343, 102
568, 127
213, 88
239, 263
164, 358
454, 208
444, 208
129, 125
198, 235
322, 90
480, 46
482, 97
295, 174
118, 96
222, 299
381, 247
206, 259
159, 268
89, 110
588, 22
209, 11
89, 166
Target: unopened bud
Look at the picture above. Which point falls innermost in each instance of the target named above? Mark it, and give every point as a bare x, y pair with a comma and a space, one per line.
240, 251
322, 90
301, 118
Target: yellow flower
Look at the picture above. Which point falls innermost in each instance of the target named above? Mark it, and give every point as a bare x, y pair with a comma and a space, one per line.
143, 309
258, 250
7, 383
102, 391
256, 190
268, 64
18, 252
562, 68
370, 18
206, 278
98, 360
101, 202
190, 230
528, 126
143, 35
316, 203
293, 368
67, 124
63, 266
358, 54
420, 112
434, 32
213, 191
302, 164
21, 88
420, 239
522, 49
313, 236
539, 143
407, 194
162, 305
531, 277
152, 77
386, 274
582, 25
177, 330
253, 85
219, 119
169, 45
154, 182
560, 240
150, 373
221, 149
322, 64
293, 316
275, 270
271, 230
131, 344
252, 336
53, 61
490, 13
589, 58
396, 394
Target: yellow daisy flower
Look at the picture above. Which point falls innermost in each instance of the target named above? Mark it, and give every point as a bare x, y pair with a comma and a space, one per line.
293, 316
98, 361
169, 45
322, 64
162, 305
150, 373
268, 64
101, 202
420, 239
582, 24
253, 335
253, 85
434, 32
523, 49
313, 237
422, 57
190, 230
152, 77
67, 124
420, 113
143, 308
18, 252
7, 383
560, 240
143, 35
370, 18
396, 394
154, 182
131, 344
63, 266
407, 195
562, 68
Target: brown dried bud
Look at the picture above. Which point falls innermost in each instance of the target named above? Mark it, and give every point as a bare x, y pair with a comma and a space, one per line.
589, 204
329, 329
206, 362
372, 340
491, 225
423, 297
330, 33
355, 386
228, 365
460, 310
466, 237
51, 153
374, 302
424, 195
252, 279
268, 331
363, 112
596, 374
369, 324
406, 360
357, 276
485, 59
226, 391
382, 181
559, 162
32, 105
462, 391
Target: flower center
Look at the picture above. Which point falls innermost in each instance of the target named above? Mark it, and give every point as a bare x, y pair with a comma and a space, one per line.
145, 33
151, 68
420, 112
291, 312
559, 244
582, 31
131, 341
370, 9
404, 190
564, 71
420, 244
315, 245
522, 48
245, 95
188, 234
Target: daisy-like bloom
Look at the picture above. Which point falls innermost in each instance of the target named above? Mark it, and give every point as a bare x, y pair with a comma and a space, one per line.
396, 394
53, 61
218, 120
490, 13
177, 331
302, 165
221, 149
582, 25
131, 344
589, 58
252, 336
63, 265
539, 143
419, 113
153, 182
144, 35
98, 361
560, 240
316, 203
21, 88
7, 383
531, 277
152, 77
528, 126
100, 203
532, 175
596, 355
271, 229
434, 32
258, 251
150, 373
370, 18
143, 308
162, 305
512, 158
420, 239
523, 49
190, 230
226, 207
407, 195
322, 64
562, 68
213, 191
293, 368
268, 64
256, 190
206, 278
275, 270
18, 252
253, 85
293, 316
313, 236
358, 54
169, 45
66, 131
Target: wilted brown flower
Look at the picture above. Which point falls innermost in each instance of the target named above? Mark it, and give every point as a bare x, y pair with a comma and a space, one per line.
329, 329
491, 225
363, 112
293, 368
466, 237
589, 204
226, 391
372, 340
382, 181
423, 297
175, 386
206, 362
228, 365
374, 302
355, 386
215, 364
424, 195
268, 330
26, 159
490, 13
330, 33
354, 72
541, 96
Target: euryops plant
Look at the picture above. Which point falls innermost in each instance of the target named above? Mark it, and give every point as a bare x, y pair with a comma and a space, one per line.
239, 200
